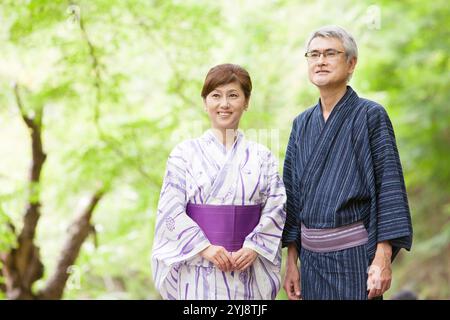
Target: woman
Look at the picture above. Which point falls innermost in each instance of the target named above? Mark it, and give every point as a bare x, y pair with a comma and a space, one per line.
220, 214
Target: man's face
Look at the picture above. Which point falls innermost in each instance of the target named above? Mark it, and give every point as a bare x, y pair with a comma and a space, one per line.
331, 71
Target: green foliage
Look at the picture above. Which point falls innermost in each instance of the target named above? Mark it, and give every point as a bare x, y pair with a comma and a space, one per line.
414, 52
7, 235
118, 83
7, 241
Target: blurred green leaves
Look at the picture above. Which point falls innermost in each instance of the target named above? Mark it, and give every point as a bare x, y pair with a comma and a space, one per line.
119, 84
7, 235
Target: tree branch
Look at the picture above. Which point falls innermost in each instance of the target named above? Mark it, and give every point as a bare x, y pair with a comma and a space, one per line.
22, 265
38, 159
77, 233
95, 68
95, 65
180, 81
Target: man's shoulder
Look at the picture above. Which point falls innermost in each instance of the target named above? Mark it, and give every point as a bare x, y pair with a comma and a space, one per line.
370, 106
374, 113
304, 115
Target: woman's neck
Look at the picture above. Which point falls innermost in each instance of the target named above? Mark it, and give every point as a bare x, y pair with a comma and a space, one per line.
225, 136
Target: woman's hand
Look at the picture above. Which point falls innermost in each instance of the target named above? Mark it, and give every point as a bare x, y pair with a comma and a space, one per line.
244, 258
218, 255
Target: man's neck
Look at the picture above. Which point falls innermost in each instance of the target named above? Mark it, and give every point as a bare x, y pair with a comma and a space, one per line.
329, 97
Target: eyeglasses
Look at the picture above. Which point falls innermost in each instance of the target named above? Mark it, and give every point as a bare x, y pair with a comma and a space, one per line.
329, 54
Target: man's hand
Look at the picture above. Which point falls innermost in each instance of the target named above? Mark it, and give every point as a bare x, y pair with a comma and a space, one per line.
218, 255
292, 277
380, 273
244, 258
292, 283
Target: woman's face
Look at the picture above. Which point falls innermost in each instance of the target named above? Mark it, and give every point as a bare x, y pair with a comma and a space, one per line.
225, 105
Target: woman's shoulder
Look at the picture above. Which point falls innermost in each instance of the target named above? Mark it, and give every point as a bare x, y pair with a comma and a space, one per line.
261, 150
182, 148
254, 145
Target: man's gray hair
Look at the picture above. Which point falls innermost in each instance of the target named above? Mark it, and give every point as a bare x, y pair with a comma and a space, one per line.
351, 50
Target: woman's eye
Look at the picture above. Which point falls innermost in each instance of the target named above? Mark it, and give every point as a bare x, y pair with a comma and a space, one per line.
233, 95
215, 95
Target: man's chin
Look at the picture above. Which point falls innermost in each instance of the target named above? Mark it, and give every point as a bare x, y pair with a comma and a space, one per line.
321, 83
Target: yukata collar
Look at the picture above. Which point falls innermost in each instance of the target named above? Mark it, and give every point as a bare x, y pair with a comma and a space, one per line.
350, 92
210, 137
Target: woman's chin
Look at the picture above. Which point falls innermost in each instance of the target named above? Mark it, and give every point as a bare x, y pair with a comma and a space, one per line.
225, 124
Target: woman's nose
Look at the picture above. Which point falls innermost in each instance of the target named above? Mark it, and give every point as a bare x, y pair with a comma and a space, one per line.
224, 103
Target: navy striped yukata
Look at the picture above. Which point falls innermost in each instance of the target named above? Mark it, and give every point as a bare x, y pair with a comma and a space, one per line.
337, 173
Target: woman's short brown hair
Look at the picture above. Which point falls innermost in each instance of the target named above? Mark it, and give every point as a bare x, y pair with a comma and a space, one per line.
224, 74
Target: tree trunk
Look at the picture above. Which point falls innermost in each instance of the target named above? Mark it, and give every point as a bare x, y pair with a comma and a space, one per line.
77, 233
22, 265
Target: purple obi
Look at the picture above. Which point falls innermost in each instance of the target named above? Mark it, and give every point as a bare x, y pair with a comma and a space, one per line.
225, 225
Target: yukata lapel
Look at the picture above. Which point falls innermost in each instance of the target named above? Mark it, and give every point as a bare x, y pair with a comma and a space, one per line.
225, 181
316, 161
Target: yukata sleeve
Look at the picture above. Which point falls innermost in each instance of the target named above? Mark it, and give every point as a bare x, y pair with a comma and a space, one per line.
177, 237
265, 238
291, 232
393, 214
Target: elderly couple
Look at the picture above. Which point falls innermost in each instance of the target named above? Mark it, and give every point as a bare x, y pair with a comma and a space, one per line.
341, 208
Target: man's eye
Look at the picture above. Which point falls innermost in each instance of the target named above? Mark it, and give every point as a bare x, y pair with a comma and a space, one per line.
314, 54
331, 53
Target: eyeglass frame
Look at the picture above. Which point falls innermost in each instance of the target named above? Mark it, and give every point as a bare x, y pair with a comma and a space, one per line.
323, 53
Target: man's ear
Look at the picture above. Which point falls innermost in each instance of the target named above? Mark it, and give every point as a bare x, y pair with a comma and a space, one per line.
352, 64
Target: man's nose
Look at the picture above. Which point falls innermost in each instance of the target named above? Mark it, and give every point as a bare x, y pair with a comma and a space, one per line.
321, 60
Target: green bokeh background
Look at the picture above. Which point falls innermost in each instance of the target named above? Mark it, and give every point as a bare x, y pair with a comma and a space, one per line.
118, 84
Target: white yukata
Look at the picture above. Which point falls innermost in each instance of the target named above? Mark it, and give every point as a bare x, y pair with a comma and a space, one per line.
202, 171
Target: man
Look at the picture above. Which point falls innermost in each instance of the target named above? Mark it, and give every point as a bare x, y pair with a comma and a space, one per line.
347, 208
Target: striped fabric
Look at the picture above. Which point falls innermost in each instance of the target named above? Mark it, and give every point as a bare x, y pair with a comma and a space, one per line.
334, 239
341, 171
338, 275
203, 172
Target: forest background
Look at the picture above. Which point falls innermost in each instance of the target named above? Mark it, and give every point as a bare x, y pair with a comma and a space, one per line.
95, 94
